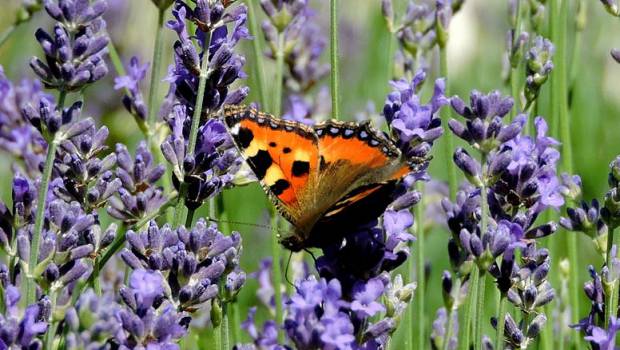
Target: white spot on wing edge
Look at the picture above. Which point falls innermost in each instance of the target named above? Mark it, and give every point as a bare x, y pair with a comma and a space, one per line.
235, 130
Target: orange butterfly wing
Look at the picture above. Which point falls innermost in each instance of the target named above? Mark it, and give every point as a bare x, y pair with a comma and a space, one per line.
283, 155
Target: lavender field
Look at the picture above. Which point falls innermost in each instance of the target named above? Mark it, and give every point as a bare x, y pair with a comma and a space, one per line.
307, 174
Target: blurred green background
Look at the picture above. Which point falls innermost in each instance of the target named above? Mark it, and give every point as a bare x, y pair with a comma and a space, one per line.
476, 47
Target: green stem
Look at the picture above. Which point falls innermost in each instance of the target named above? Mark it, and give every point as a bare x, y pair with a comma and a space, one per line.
4, 36
470, 311
499, 338
116, 60
561, 98
445, 116
477, 326
155, 77
225, 345
420, 297
179, 212
277, 276
277, 94
333, 54
258, 67
236, 326
514, 70
480, 310
30, 284
611, 304
452, 312
53, 324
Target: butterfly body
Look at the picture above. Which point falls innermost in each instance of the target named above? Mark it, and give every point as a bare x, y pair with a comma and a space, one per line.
324, 179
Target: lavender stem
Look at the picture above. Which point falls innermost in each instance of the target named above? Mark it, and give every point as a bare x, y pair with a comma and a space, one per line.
258, 67
419, 214
445, 116
477, 325
333, 54
277, 274
179, 210
499, 338
155, 77
6, 34
560, 98
30, 283
451, 314
514, 76
470, 312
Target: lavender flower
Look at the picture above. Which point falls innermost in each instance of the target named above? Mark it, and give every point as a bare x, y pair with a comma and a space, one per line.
415, 126
148, 319
74, 52
20, 331
56, 125
217, 43
138, 197
604, 339
438, 333
587, 219
17, 136
529, 180
308, 110
93, 322
194, 261
539, 66
211, 167
132, 100
484, 129
611, 6
615, 54
85, 177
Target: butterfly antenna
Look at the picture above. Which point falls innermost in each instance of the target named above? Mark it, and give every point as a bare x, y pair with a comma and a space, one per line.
266, 227
311, 254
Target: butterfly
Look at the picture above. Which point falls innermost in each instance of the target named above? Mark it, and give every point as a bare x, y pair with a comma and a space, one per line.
324, 179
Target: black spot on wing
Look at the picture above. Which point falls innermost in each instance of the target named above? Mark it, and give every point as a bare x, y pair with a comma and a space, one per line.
244, 137
300, 168
261, 162
286, 150
272, 144
279, 187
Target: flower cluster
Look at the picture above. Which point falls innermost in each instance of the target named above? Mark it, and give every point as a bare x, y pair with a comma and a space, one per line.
291, 31
133, 100
18, 331
74, 53
138, 196
415, 125
195, 262
420, 28
146, 318
529, 292
216, 59
211, 167
538, 67
17, 136
320, 316
514, 181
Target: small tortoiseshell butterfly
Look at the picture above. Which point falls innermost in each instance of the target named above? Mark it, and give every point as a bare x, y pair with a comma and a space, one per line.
325, 178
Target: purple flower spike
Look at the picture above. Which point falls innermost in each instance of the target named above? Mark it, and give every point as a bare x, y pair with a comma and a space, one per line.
364, 298
416, 126
74, 53
148, 286
133, 100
